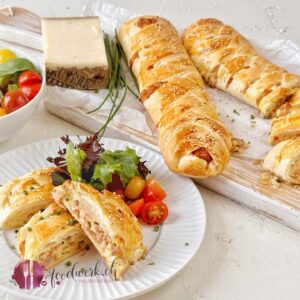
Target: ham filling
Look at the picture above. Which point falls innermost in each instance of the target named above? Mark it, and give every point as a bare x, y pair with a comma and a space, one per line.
203, 154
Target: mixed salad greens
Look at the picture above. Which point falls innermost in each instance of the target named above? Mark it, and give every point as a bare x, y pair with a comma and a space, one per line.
19, 81
119, 171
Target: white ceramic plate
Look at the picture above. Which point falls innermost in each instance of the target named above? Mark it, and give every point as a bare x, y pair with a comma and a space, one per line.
170, 249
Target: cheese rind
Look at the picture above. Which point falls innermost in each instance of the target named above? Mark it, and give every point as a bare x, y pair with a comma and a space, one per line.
75, 53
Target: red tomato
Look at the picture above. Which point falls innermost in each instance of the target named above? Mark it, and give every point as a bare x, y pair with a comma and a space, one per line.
155, 212
148, 194
14, 100
153, 191
31, 90
29, 78
137, 206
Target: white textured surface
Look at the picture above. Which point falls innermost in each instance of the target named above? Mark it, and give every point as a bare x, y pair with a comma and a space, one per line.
244, 255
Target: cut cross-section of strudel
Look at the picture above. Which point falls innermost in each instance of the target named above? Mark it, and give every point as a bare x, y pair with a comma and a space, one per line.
51, 236
24, 196
107, 221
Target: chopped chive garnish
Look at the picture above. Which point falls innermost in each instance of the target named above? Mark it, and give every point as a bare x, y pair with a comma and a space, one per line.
252, 117
29, 229
68, 263
156, 228
25, 192
71, 222
236, 112
16, 231
151, 263
186, 244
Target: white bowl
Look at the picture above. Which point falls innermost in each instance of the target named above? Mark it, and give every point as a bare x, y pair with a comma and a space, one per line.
11, 123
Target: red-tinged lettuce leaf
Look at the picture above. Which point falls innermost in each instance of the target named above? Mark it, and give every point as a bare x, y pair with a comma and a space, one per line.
92, 148
59, 177
115, 185
60, 160
142, 169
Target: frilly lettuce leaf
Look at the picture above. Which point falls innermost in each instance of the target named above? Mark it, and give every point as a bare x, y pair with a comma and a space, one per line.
74, 159
123, 162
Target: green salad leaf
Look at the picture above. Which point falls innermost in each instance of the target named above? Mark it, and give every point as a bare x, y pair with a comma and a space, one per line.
74, 159
14, 65
123, 162
104, 172
4, 81
12, 87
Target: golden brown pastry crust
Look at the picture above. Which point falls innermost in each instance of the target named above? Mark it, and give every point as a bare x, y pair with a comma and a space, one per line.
226, 60
24, 196
192, 139
287, 123
284, 160
50, 237
107, 221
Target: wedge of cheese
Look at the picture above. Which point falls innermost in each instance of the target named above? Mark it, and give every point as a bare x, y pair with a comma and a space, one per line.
75, 54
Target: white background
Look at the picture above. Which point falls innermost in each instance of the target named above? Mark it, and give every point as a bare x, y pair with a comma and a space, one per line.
244, 255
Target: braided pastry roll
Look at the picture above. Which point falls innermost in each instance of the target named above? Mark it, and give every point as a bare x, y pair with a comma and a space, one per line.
192, 139
284, 160
287, 123
226, 60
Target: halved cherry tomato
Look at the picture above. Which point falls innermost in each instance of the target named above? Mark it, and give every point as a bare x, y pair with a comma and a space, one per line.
134, 188
27, 78
137, 206
154, 212
148, 194
31, 90
14, 100
153, 191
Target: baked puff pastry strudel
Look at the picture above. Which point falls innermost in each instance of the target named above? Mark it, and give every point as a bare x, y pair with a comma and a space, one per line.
24, 196
107, 221
50, 237
287, 123
192, 139
284, 160
226, 60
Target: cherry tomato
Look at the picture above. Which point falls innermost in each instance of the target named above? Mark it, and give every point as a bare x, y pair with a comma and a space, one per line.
134, 188
14, 100
148, 194
137, 206
31, 90
154, 212
6, 54
28, 78
153, 191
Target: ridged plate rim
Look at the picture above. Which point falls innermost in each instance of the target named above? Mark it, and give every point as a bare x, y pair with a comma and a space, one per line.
190, 222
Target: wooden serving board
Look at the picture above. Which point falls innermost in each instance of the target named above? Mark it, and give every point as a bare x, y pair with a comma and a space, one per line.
241, 179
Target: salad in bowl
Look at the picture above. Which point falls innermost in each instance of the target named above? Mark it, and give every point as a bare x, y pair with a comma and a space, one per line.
21, 83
